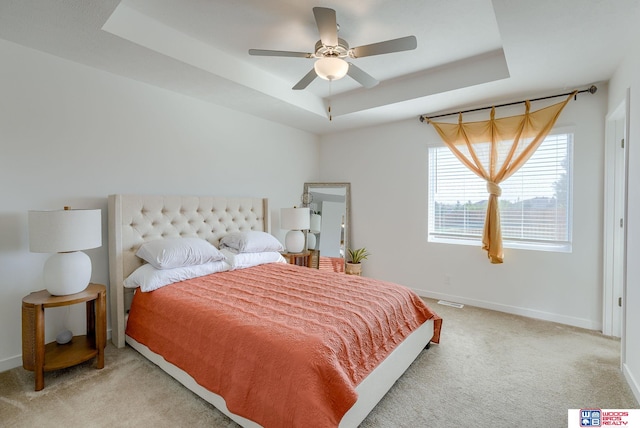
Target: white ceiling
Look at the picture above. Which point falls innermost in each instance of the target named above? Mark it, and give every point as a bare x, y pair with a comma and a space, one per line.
470, 52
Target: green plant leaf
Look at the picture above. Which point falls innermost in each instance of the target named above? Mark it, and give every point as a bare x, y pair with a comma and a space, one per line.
358, 255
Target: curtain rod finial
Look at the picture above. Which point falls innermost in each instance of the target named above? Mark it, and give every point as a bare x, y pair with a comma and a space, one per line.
593, 89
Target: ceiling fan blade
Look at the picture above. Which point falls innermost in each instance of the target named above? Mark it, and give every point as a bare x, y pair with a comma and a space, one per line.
304, 82
265, 52
327, 25
396, 45
361, 77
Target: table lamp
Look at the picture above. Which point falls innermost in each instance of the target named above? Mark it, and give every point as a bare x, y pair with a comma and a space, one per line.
314, 228
295, 220
65, 233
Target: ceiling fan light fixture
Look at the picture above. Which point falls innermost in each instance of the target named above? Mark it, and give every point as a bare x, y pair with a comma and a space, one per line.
330, 53
331, 68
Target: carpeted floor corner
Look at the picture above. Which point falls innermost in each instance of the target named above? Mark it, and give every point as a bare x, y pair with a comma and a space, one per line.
129, 391
490, 370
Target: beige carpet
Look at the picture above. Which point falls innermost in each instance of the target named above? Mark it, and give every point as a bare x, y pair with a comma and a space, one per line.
490, 370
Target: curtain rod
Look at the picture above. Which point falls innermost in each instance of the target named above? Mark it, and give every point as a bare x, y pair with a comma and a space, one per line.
592, 90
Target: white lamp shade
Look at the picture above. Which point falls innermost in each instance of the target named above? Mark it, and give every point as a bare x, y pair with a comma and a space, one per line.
294, 218
64, 230
330, 68
316, 222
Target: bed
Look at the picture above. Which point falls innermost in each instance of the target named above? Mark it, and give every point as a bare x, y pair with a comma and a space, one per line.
138, 219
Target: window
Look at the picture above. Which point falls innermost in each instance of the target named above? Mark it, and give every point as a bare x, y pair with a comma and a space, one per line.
535, 206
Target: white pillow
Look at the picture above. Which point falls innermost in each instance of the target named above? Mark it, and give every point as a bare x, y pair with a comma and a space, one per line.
245, 260
178, 252
251, 242
149, 278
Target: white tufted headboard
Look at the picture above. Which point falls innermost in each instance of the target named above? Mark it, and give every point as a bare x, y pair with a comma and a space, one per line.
135, 219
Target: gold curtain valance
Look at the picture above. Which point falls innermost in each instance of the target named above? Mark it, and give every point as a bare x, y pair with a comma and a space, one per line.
494, 150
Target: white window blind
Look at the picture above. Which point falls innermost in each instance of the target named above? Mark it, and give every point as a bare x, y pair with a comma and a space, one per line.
535, 206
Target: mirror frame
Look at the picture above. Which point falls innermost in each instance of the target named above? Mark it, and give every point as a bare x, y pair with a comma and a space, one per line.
347, 220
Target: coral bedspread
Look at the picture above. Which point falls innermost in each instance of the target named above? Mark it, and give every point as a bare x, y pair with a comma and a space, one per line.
284, 345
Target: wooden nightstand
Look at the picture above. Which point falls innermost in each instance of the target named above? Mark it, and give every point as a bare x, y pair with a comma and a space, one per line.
38, 357
300, 259
315, 259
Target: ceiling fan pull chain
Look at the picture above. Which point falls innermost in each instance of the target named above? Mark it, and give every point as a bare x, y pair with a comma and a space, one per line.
329, 107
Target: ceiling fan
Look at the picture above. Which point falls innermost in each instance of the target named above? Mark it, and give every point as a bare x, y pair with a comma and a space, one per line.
331, 50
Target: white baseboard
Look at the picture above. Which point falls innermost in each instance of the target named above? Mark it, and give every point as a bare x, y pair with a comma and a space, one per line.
633, 383
13, 362
10, 363
515, 310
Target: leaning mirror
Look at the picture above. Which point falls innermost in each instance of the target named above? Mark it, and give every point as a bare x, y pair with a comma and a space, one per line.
328, 238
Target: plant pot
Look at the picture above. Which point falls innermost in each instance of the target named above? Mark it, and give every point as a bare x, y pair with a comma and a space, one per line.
353, 269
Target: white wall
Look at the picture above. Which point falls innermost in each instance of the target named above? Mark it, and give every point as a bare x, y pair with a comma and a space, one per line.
627, 77
387, 168
71, 135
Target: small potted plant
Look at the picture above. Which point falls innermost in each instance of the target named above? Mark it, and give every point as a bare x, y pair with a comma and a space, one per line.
354, 265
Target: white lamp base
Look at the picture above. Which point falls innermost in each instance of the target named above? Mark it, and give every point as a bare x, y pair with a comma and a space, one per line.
294, 241
311, 241
67, 273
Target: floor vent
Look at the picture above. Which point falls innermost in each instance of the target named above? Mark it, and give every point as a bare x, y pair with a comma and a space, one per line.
452, 304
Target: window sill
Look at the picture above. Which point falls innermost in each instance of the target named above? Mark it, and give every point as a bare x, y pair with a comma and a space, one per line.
552, 247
